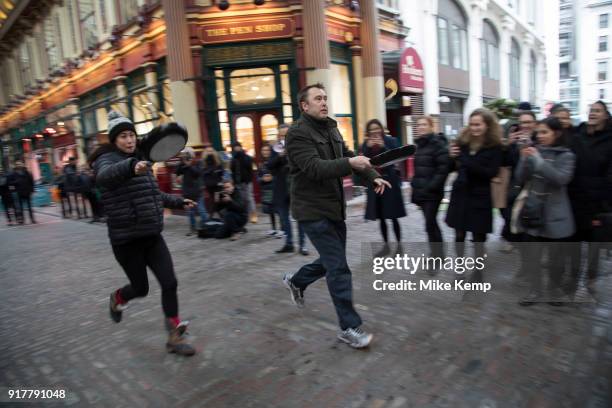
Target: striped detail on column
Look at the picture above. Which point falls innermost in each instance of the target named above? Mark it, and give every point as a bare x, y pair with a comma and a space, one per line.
177, 39
372, 64
316, 47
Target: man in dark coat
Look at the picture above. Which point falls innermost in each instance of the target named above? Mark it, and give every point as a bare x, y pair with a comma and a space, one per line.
87, 190
6, 194
191, 170
242, 174
23, 182
590, 191
71, 182
318, 160
279, 167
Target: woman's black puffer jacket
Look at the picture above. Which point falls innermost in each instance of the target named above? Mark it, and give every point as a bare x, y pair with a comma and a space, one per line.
133, 204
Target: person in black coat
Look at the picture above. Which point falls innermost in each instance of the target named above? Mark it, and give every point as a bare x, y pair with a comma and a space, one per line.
87, 189
233, 208
71, 181
266, 185
431, 165
6, 194
191, 170
389, 205
590, 191
242, 174
23, 182
476, 156
279, 167
212, 176
134, 207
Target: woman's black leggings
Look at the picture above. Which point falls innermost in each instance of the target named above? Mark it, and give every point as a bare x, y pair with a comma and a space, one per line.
478, 238
134, 257
396, 229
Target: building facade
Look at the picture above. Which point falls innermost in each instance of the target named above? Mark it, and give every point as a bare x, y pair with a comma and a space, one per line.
228, 70
569, 78
594, 53
475, 51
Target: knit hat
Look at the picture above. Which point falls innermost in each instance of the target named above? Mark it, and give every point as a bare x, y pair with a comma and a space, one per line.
117, 124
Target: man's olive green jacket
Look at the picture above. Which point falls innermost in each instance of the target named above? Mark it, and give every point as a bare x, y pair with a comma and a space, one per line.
318, 159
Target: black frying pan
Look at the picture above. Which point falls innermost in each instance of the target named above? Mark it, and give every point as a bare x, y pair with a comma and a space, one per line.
393, 156
163, 142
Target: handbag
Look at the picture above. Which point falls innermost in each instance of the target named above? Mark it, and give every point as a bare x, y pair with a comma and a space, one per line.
532, 213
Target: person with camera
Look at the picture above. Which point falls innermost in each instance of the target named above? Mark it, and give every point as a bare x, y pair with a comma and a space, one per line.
318, 160
134, 208
232, 207
390, 204
546, 215
524, 133
191, 171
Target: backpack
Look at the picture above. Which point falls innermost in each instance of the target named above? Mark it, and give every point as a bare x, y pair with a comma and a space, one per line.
210, 228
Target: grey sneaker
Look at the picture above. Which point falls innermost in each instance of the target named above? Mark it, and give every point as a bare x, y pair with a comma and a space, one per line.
297, 294
356, 338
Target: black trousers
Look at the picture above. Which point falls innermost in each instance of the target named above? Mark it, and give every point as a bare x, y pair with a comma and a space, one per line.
134, 257
434, 235
8, 204
23, 200
533, 249
233, 222
93, 202
578, 257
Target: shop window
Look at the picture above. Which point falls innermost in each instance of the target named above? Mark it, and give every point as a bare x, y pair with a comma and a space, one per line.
143, 112
286, 95
167, 98
340, 95
254, 86
102, 119
245, 134
345, 126
269, 128
222, 108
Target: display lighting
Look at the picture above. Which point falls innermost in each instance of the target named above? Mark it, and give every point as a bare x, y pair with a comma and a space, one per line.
50, 130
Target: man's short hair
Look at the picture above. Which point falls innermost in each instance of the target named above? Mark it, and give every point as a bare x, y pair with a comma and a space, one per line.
303, 94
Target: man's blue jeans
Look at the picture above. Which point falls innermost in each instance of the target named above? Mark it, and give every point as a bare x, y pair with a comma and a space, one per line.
283, 214
329, 239
199, 209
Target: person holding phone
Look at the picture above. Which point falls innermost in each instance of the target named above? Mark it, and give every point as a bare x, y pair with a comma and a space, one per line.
134, 208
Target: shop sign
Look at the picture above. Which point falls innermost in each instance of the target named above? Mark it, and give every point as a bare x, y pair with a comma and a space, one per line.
246, 30
411, 75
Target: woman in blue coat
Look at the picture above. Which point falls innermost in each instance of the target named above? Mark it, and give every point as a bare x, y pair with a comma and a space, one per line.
389, 205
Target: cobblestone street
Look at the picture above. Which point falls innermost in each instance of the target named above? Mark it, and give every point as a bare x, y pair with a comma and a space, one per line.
255, 349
